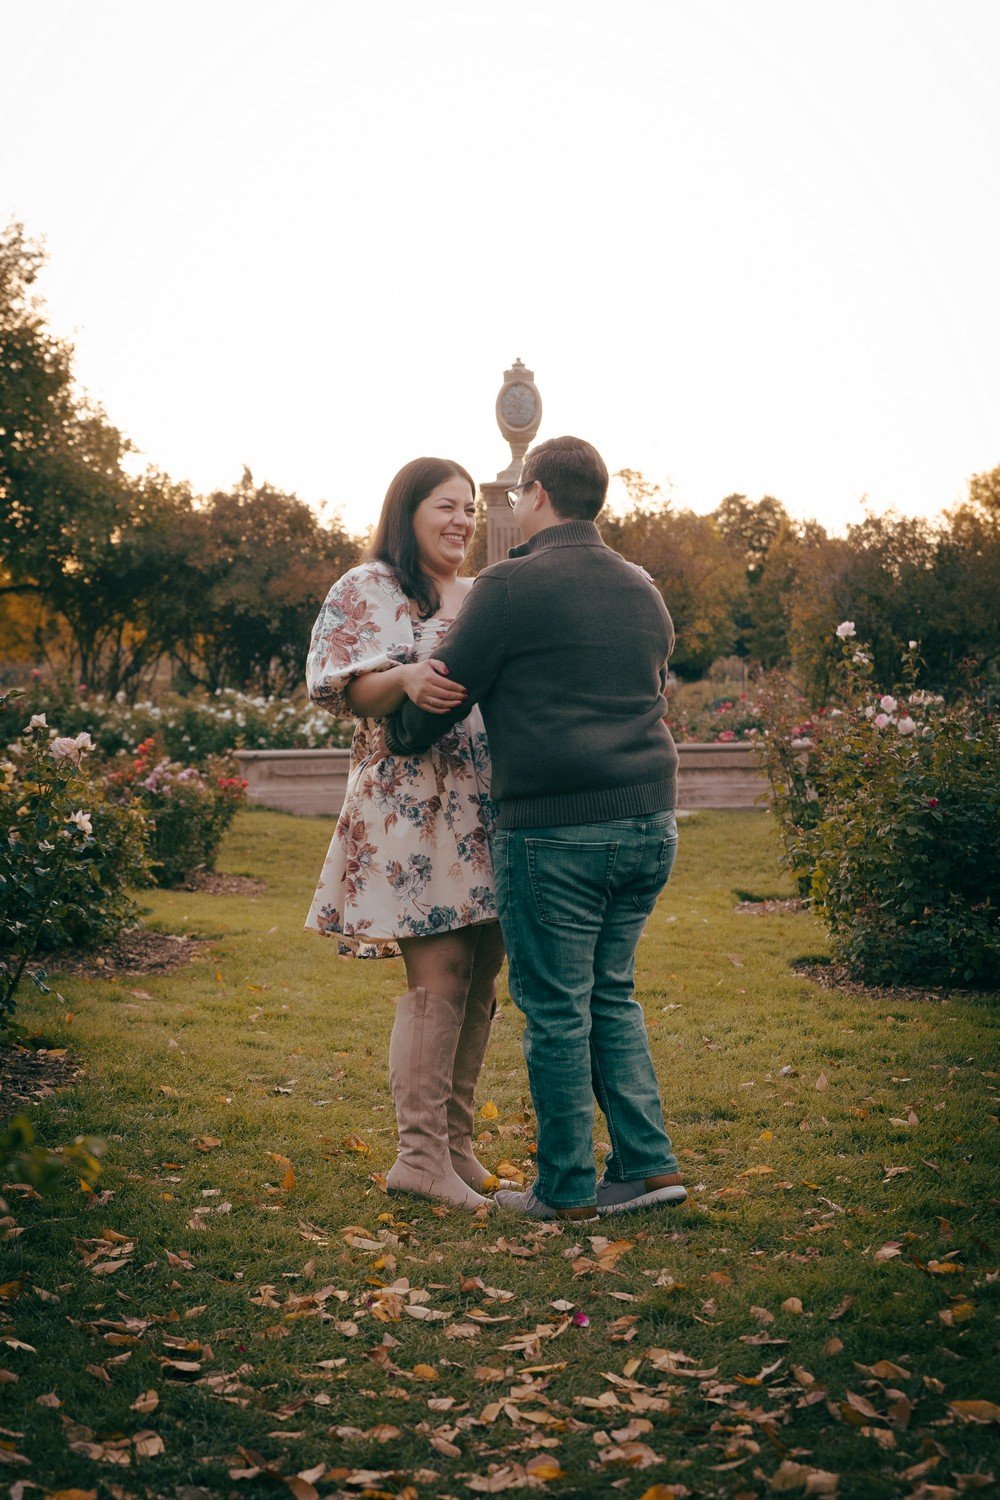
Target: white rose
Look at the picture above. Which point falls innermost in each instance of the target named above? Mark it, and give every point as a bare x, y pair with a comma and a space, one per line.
82, 821
906, 725
846, 629
38, 721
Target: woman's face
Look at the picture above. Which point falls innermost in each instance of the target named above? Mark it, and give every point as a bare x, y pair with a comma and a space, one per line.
443, 525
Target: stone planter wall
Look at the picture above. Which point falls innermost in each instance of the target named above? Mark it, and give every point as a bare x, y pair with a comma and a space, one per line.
313, 782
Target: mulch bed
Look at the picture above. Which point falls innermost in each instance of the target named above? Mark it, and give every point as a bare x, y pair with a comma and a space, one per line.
27, 1077
768, 908
137, 952
836, 977
212, 883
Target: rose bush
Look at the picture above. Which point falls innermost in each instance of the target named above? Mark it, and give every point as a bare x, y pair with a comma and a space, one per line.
68, 852
186, 810
890, 813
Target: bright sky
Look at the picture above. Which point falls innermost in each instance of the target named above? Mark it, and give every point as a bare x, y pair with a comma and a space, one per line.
744, 244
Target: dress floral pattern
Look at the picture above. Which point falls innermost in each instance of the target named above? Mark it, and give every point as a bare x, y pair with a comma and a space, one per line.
410, 855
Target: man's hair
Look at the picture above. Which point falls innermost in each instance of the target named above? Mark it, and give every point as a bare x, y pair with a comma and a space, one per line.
574, 474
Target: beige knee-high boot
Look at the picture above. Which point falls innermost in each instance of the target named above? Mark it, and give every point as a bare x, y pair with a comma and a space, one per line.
421, 1059
472, 1043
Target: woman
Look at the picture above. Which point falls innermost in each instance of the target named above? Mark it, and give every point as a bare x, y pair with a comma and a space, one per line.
409, 869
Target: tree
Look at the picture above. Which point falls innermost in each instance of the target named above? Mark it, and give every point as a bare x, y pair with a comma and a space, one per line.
749, 528
694, 570
64, 495
261, 563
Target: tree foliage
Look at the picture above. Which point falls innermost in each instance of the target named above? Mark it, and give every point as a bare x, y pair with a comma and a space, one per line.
121, 574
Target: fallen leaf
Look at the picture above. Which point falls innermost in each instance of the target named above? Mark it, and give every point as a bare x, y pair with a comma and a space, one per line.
885, 1369
982, 1412
792, 1305
147, 1444
205, 1142
148, 1401
822, 1082
792, 1476
544, 1467
842, 1308
489, 1111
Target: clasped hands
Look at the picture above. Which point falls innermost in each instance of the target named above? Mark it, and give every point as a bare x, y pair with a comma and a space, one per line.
427, 684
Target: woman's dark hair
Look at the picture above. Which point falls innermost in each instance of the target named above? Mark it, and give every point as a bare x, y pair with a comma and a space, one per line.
394, 542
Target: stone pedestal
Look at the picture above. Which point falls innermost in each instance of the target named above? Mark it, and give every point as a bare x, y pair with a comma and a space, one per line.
501, 532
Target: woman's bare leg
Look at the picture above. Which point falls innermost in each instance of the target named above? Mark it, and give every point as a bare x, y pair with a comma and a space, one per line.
443, 963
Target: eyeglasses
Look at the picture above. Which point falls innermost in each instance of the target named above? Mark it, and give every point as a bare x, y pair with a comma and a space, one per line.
514, 494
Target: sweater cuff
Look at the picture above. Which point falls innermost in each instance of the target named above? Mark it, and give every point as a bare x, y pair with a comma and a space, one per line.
394, 743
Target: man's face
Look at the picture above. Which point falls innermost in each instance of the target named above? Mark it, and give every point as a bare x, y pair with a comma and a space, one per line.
523, 507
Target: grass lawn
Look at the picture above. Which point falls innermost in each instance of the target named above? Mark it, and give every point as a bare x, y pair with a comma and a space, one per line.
260, 1309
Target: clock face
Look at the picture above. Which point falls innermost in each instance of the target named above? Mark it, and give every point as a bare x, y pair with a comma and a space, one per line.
517, 406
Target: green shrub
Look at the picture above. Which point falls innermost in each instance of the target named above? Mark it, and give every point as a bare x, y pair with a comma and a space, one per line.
186, 810
893, 812
67, 853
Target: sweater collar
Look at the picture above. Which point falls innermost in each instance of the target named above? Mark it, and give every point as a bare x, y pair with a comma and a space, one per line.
566, 534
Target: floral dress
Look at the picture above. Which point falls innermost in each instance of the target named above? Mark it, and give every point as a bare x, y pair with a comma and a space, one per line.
410, 856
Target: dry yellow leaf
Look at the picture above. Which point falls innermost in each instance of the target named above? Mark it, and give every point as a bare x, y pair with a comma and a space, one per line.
984, 1412
544, 1467
424, 1372
489, 1111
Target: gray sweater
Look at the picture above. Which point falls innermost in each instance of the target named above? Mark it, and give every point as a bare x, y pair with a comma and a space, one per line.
564, 647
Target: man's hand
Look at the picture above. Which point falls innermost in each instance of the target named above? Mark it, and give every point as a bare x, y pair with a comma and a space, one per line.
427, 684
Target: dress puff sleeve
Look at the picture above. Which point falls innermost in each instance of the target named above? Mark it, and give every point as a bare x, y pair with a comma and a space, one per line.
364, 626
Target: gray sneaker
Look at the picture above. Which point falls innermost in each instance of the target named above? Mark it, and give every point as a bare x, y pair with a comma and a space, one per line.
622, 1197
531, 1207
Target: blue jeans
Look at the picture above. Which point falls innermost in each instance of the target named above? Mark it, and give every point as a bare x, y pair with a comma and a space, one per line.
573, 902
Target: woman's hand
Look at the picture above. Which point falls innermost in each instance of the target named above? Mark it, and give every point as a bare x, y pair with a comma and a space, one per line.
427, 684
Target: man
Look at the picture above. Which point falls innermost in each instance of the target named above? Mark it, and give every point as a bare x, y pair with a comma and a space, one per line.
564, 647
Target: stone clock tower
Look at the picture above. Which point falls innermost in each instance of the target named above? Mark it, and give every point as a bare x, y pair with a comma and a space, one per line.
519, 413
